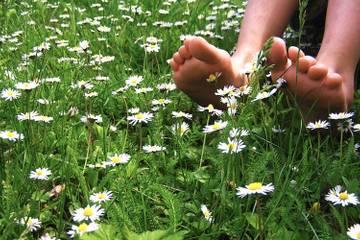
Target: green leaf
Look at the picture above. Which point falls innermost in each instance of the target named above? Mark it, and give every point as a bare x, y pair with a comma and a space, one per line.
154, 235
252, 219
105, 232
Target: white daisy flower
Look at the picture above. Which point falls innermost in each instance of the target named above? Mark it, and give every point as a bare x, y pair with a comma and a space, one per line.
103, 29
345, 126
41, 118
46, 236
143, 90
153, 148
90, 213
116, 159
133, 110
232, 146
40, 174
231, 104
263, 95
318, 125
82, 229
235, 132
207, 214
245, 90
254, 188
228, 91
218, 125
84, 45
10, 94
354, 232
101, 197
213, 77
140, 118
338, 196
11, 135
180, 129
26, 85
27, 116
210, 108
356, 127
181, 114
32, 224
134, 80
341, 115
161, 102
166, 86
90, 118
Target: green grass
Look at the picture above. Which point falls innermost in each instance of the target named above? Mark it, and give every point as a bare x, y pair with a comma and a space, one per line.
155, 195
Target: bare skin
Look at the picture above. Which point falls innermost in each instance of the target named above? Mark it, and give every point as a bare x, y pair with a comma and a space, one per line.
321, 85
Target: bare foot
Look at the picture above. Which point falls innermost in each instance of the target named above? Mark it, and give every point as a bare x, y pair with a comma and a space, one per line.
195, 62
319, 85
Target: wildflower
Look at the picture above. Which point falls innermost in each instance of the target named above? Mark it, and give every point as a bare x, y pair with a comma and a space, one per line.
318, 125
153, 148
354, 232
41, 118
90, 118
245, 90
161, 102
263, 95
143, 90
356, 127
207, 214
210, 108
103, 29
26, 85
180, 129
218, 125
181, 114
337, 196
101, 197
91, 213
82, 228
40, 174
46, 236
27, 116
235, 132
84, 45
253, 188
11, 135
232, 146
32, 224
10, 94
140, 117
213, 77
231, 104
134, 80
118, 159
229, 91
345, 126
341, 115
166, 86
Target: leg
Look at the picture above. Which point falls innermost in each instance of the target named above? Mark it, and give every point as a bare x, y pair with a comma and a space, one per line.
325, 84
197, 59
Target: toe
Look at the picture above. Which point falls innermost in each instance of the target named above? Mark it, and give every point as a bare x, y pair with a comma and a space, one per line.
318, 71
305, 63
184, 53
333, 80
174, 65
277, 54
202, 50
295, 53
178, 59
187, 42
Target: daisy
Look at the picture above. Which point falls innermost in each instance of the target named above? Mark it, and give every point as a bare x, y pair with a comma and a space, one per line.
207, 214
27, 116
229, 91
161, 102
153, 148
356, 127
341, 115
231, 104
32, 224
232, 146
166, 86
354, 232
253, 188
41, 118
337, 196
82, 228
345, 126
180, 129
104, 29
133, 110
11, 135
10, 94
318, 125
90, 118
26, 85
101, 196
245, 90
118, 159
210, 108
263, 95
134, 80
181, 114
218, 125
91, 213
213, 77
46, 236
235, 132
40, 174
140, 118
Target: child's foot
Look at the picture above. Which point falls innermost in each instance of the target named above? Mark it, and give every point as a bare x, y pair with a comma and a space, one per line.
320, 85
197, 61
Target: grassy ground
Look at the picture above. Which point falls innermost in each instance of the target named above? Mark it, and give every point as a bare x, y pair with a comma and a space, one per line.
155, 195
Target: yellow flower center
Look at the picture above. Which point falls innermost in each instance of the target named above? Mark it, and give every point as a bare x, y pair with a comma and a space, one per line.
212, 77
318, 125
242, 88
216, 126
133, 81
10, 93
211, 108
26, 85
83, 227
358, 235
116, 159
206, 214
10, 134
255, 186
343, 196
161, 101
139, 116
102, 196
40, 172
231, 146
29, 222
88, 212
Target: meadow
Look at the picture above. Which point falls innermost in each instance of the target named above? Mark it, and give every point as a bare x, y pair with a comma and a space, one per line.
96, 142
